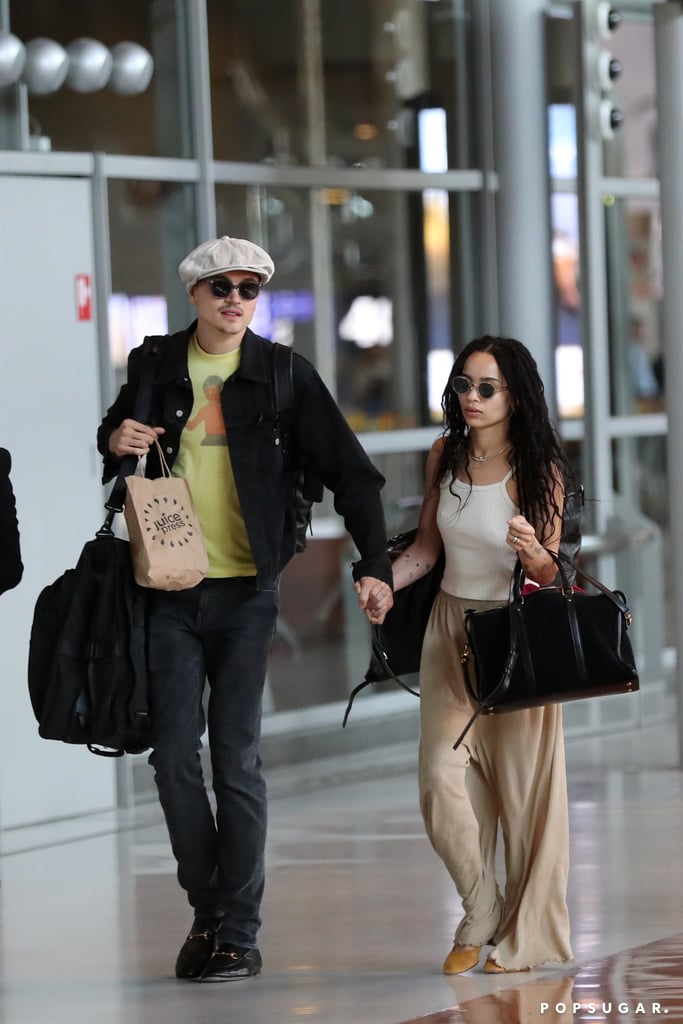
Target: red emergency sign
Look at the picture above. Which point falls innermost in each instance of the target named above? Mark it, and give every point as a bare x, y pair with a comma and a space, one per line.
83, 297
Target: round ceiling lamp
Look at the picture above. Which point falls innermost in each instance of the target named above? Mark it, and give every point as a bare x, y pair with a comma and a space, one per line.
12, 59
132, 69
90, 65
47, 65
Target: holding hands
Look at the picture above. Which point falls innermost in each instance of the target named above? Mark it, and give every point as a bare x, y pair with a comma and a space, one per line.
375, 598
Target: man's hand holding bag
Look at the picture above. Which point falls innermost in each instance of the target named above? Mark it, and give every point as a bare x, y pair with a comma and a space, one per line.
166, 543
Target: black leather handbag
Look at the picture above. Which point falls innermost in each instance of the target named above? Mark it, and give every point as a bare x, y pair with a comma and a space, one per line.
552, 645
397, 643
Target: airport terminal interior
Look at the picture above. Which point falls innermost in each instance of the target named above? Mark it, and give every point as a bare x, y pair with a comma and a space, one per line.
422, 172
358, 912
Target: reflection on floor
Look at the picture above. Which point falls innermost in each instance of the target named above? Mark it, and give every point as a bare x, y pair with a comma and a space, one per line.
643, 983
358, 912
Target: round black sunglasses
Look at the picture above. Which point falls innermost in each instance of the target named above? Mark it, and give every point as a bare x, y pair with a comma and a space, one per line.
222, 287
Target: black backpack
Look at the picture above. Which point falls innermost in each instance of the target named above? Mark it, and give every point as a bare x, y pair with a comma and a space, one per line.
306, 487
87, 665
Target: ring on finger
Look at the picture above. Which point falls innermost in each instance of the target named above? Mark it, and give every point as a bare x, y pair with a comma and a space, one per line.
515, 539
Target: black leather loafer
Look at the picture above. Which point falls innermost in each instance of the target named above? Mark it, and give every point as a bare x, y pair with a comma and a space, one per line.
229, 963
197, 949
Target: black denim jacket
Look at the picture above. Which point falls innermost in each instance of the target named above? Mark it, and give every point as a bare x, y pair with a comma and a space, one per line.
316, 429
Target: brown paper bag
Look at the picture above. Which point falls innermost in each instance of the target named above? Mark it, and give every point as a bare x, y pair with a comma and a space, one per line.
166, 543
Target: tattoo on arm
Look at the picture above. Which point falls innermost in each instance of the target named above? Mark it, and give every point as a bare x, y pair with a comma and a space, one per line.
419, 568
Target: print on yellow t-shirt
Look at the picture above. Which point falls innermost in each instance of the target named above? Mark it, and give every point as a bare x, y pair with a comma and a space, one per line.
212, 414
204, 461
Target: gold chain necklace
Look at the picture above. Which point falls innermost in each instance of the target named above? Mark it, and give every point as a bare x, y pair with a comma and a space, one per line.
486, 458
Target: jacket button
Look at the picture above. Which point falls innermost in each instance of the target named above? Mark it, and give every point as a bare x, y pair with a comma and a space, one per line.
179, 412
169, 451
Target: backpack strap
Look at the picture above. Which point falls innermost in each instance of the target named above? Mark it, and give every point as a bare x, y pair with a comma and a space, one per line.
282, 377
283, 398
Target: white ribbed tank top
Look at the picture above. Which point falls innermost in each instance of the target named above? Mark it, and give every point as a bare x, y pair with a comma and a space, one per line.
478, 561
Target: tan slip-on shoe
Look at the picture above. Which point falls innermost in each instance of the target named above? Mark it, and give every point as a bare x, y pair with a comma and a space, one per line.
491, 967
461, 958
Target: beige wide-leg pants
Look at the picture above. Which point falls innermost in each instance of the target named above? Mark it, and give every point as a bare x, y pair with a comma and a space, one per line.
510, 770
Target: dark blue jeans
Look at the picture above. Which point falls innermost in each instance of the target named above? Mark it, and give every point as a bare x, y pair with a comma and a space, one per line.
220, 631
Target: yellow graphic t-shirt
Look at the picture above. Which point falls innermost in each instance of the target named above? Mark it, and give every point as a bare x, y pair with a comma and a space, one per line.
204, 461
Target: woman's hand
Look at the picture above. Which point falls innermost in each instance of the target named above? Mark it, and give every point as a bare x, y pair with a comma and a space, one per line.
521, 536
536, 562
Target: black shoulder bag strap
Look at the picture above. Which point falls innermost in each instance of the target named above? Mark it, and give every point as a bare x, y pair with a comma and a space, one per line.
141, 410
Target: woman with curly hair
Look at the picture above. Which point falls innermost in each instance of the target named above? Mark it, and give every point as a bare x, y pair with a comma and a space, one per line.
494, 493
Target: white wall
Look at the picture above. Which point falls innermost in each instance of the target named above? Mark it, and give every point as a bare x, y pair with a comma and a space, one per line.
49, 413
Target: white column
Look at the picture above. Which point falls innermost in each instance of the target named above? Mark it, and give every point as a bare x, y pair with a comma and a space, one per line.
521, 160
669, 63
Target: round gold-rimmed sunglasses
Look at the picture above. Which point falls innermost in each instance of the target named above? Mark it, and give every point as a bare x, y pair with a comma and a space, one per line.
485, 389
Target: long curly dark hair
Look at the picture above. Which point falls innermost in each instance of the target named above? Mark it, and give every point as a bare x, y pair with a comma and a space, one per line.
536, 454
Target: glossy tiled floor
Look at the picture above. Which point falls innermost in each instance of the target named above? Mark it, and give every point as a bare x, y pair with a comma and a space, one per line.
358, 913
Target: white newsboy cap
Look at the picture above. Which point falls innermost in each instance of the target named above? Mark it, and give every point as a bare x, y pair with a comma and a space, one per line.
220, 255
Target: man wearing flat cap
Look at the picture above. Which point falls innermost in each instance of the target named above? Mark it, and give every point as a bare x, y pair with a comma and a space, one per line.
213, 413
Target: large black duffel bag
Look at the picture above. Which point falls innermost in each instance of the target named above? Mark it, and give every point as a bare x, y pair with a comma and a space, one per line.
87, 666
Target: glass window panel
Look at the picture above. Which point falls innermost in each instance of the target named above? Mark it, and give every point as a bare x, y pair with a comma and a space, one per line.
634, 267
569, 386
641, 477
322, 645
393, 296
148, 123
375, 343
279, 220
255, 56
151, 230
410, 56
338, 83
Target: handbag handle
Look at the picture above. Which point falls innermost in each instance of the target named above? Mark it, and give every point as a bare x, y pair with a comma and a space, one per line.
381, 655
165, 471
143, 401
518, 638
